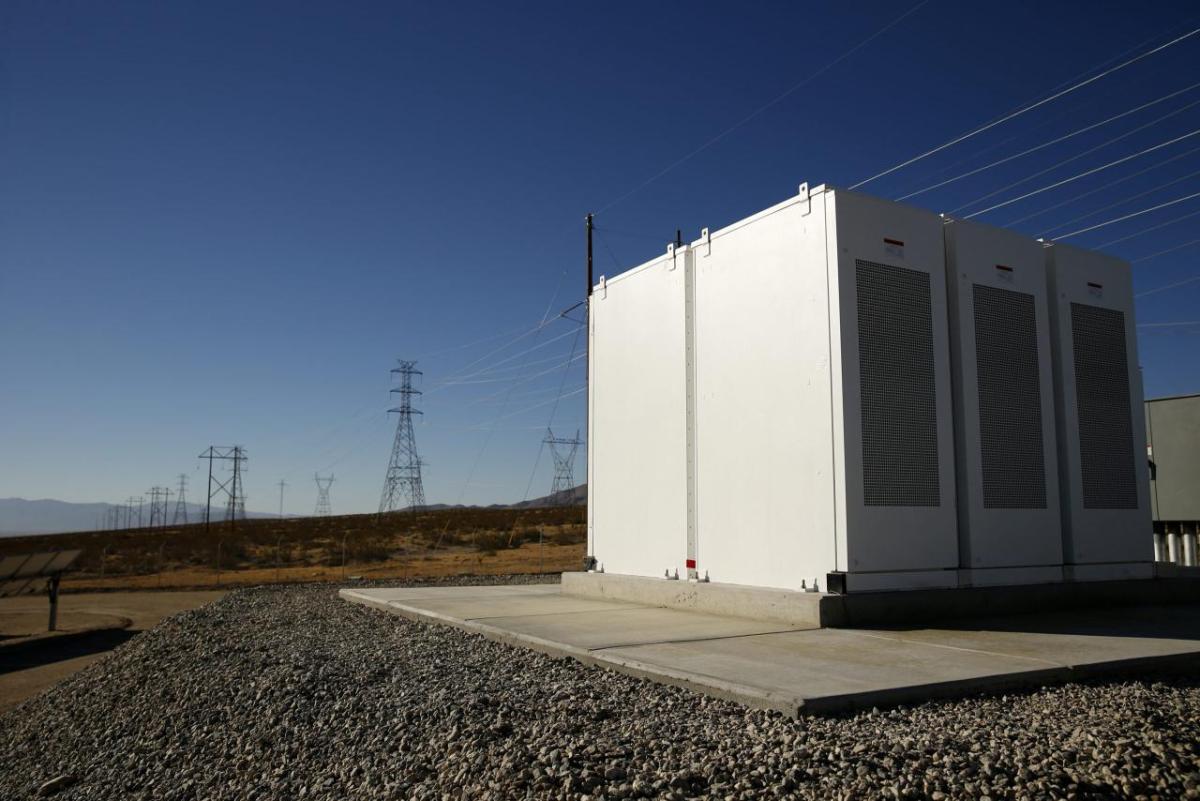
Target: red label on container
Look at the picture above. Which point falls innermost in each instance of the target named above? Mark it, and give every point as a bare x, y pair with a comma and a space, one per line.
691, 563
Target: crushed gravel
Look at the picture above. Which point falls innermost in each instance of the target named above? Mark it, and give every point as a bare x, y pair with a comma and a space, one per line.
291, 693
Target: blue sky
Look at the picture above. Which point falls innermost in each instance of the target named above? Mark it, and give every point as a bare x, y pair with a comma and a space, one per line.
222, 222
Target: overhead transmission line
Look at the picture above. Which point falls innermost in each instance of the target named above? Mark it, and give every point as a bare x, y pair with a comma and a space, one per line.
1165, 252
462, 379
1175, 285
1026, 109
1084, 174
1050, 232
1050, 143
1131, 216
1076, 157
766, 106
1054, 117
1181, 218
1103, 187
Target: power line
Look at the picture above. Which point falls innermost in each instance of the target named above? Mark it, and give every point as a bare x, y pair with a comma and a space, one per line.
1168, 250
1151, 228
1045, 145
1026, 109
1184, 282
1084, 174
778, 99
463, 378
1177, 324
553, 411
1050, 232
1130, 216
1075, 157
1102, 187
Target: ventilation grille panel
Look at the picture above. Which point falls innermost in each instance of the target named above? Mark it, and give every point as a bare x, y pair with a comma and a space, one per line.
1106, 450
898, 386
1012, 452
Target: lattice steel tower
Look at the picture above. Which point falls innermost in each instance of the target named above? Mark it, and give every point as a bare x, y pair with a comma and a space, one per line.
563, 451
159, 498
324, 507
403, 479
181, 501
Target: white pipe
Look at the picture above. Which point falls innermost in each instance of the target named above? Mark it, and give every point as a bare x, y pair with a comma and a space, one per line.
1174, 552
1189, 547
1160, 547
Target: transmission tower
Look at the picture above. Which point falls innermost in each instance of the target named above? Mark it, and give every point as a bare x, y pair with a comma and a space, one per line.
403, 478
324, 508
230, 488
158, 506
563, 451
181, 502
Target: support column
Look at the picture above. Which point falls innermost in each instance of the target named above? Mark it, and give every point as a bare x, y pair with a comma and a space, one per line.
53, 591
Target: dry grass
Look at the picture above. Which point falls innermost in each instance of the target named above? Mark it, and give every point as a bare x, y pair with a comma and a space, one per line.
435, 543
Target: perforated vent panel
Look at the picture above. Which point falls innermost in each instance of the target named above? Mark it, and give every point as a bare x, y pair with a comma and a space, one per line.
898, 386
1010, 399
1102, 396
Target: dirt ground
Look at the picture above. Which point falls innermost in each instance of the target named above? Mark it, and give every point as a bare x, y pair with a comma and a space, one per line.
99, 612
91, 623
529, 558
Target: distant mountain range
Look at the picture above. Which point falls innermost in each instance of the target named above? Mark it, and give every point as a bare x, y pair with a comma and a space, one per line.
20, 516
48, 516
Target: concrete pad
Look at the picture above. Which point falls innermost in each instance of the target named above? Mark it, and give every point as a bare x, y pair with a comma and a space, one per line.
836, 669
794, 669
622, 625
500, 591
1072, 639
510, 607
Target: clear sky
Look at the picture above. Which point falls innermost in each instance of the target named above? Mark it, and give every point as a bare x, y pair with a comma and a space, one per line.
222, 222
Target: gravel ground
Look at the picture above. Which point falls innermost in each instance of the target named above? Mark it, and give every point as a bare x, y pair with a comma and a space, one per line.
291, 693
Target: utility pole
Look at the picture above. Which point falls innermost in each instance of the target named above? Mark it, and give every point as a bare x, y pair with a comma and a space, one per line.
563, 451
231, 487
324, 508
282, 484
403, 477
181, 502
589, 559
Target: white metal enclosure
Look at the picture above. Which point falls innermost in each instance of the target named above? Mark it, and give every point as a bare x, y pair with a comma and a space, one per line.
636, 439
764, 460
893, 431
1009, 519
1102, 437
800, 463
842, 392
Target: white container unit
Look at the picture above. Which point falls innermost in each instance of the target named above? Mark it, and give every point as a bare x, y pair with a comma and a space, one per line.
809, 409
1008, 500
637, 505
1102, 437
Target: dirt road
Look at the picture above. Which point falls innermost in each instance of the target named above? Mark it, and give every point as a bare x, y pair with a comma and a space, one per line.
91, 623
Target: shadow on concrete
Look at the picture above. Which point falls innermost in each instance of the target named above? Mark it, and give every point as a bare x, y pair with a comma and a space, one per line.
1168, 621
44, 651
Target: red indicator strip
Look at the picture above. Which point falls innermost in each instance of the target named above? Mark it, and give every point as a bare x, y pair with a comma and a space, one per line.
691, 564
1004, 268
895, 242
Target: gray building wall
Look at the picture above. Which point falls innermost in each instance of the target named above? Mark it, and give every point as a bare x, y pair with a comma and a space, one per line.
1173, 437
